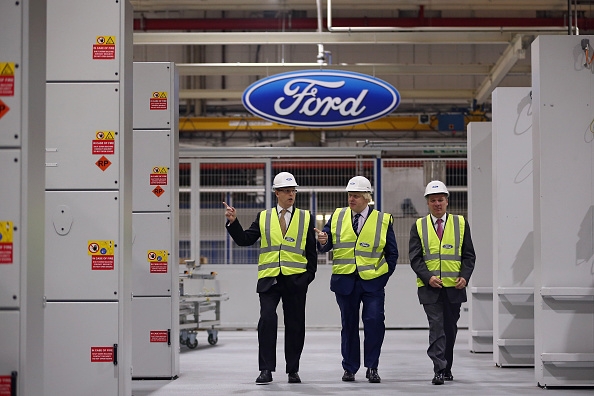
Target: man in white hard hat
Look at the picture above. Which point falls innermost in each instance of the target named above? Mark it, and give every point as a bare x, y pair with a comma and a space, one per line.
286, 266
442, 255
364, 258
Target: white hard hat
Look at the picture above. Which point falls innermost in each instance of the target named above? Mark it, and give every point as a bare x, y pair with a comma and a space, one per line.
359, 183
284, 179
436, 187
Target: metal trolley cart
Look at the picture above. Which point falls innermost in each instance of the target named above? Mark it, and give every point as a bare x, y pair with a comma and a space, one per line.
199, 306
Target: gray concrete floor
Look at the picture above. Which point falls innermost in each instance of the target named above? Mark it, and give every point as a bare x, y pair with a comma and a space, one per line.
231, 366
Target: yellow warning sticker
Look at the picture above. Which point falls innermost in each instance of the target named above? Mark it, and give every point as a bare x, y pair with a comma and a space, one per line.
6, 242
6, 68
107, 40
99, 248
157, 261
156, 255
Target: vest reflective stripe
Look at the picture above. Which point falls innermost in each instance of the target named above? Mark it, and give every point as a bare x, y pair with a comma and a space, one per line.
278, 254
443, 258
364, 253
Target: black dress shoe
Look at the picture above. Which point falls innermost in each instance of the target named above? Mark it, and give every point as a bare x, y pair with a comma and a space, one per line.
348, 376
373, 376
438, 379
447, 376
294, 378
264, 377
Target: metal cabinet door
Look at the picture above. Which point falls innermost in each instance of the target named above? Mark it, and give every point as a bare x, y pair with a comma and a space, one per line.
79, 348
74, 221
10, 218
84, 48
152, 351
152, 268
153, 95
153, 170
82, 136
11, 20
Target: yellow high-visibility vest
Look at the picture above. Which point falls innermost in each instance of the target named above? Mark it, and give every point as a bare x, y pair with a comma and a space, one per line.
443, 258
282, 254
364, 253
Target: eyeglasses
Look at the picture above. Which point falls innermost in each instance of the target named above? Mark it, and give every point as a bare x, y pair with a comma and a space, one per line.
288, 191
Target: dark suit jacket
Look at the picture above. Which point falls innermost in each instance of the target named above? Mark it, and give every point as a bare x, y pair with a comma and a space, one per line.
344, 284
251, 236
428, 294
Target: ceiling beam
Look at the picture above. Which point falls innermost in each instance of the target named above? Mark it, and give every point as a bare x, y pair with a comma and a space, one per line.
504, 64
372, 69
308, 38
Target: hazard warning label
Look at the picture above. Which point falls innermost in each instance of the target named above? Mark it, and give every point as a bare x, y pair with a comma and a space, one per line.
158, 101
159, 176
3, 108
102, 255
6, 242
158, 261
159, 336
104, 47
6, 385
6, 78
104, 143
103, 163
158, 191
101, 354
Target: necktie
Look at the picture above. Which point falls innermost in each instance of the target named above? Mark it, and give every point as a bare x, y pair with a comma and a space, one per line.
439, 228
356, 223
283, 221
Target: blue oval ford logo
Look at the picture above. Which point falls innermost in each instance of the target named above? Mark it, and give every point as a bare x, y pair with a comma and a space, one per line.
320, 98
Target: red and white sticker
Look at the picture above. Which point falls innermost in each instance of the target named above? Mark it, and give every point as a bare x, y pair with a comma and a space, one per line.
158, 336
101, 354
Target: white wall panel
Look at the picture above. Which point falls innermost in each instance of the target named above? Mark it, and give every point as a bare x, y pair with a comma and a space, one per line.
513, 258
480, 209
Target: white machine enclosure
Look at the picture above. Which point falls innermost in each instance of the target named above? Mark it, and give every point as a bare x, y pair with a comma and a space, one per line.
562, 90
83, 346
153, 345
154, 177
74, 221
82, 137
80, 37
10, 55
10, 239
155, 304
513, 227
480, 204
152, 268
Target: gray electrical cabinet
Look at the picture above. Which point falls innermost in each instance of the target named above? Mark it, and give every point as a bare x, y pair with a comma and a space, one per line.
155, 262
22, 141
88, 218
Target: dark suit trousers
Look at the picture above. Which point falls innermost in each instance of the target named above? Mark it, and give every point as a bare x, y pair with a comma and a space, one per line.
443, 327
374, 328
294, 318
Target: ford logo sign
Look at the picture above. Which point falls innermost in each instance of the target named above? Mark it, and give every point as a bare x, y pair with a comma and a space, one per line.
289, 239
448, 246
320, 98
364, 244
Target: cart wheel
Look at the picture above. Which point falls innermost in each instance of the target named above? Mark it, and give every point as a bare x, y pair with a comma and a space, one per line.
182, 340
191, 344
212, 340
